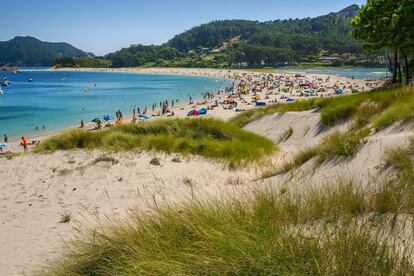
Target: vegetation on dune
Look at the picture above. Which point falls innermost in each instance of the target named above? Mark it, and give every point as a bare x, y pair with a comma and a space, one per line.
376, 109
270, 233
339, 144
82, 62
398, 195
206, 137
397, 103
401, 111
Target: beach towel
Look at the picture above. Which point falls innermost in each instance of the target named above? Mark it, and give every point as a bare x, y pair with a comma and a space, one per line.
260, 104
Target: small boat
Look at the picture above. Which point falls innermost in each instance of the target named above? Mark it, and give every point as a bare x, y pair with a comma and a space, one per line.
5, 82
1, 92
30, 80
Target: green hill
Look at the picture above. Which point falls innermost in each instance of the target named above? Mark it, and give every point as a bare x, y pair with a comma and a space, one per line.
309, 35
29, 51
235, 43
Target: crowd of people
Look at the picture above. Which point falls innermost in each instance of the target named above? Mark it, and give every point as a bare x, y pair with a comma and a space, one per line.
248, 90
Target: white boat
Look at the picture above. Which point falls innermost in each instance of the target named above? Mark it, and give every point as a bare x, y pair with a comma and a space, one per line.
1, 92
5, 82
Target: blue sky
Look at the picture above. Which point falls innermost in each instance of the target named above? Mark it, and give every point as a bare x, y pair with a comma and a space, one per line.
102, 26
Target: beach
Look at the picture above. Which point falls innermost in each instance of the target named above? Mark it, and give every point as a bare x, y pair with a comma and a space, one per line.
40, 189
217, 106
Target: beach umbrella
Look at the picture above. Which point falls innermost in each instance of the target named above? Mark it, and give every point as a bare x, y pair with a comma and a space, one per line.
108, 118
203, 111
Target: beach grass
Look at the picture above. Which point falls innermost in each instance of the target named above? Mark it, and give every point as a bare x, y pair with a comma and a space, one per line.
389, 104
206, 137
341, 144
398, 196
337, 144
320, 232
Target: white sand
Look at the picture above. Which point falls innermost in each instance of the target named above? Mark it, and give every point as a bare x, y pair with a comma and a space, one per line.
36, 190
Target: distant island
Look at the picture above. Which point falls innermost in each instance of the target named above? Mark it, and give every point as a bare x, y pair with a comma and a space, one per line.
30, 51
320, 41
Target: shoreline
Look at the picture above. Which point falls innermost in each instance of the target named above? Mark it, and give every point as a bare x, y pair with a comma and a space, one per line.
235, 75
40, 189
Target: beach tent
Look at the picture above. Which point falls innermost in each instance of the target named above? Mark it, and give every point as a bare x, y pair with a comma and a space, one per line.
202, 111
289, 100
260, 104
340, 91
96, 121
145, 117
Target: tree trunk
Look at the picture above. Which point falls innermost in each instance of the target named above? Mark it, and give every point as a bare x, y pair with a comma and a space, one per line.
407, 70
399, 69
394, 73
399, 73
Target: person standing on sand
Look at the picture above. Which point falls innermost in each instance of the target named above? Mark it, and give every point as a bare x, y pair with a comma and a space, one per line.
24, 144
82, 124
5, 139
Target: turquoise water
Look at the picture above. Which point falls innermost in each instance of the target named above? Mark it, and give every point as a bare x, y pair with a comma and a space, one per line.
359, 73
57, 100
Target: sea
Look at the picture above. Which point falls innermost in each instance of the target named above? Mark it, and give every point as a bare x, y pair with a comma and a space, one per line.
58, 99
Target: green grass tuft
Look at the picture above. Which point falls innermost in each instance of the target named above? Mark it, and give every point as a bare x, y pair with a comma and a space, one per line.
339, 144
206, 137
401, 111
285, 135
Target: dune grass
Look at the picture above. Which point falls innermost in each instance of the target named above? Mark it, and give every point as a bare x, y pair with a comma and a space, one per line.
337, 144
341, 144
206, 137
372, 110
401, 111
266, 233
398, 196
385, 101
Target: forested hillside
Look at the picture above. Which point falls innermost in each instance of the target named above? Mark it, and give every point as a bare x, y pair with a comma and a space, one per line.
241, 43
29, 51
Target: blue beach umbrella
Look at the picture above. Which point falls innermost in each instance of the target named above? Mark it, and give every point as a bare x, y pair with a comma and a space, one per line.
3, 145
108, 118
